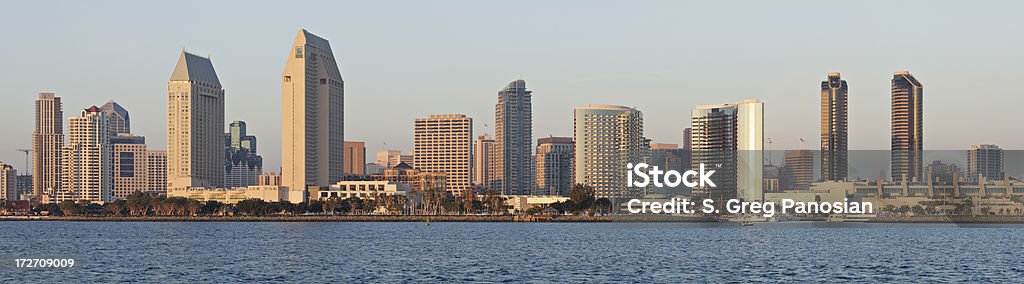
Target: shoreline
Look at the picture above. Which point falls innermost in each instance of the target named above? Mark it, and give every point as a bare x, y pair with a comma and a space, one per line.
980, 219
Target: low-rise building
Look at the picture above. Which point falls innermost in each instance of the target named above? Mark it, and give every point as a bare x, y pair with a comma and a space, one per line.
525, 202
363, 189
268, 193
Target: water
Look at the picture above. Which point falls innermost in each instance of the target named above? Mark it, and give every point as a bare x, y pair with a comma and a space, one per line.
515, 252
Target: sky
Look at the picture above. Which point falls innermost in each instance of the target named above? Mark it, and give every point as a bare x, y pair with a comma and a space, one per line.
407, 59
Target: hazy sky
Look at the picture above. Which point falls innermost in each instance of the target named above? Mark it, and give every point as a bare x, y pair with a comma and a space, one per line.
407, 59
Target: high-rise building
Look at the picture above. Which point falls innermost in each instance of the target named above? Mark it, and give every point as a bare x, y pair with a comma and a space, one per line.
47, 144
483, 146
131, 164
156, 169
313, 110
355, 158
120, 121
907, 127
798, 171
687, 139
86, 159
513, 138
985, 160
730, 135
443, 144
388, 158
554, 166
607, 138
195, 124
938, 171
834, 128
669, 157
242, 164
8, 182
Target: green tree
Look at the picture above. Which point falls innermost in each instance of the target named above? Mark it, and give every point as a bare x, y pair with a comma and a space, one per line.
918, 210
582, 196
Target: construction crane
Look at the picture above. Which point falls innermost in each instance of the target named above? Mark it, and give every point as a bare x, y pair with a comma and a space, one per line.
27, 166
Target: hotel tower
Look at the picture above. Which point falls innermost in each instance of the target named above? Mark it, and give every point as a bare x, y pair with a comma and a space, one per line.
47, 142
907, 127
834, 128
195, 125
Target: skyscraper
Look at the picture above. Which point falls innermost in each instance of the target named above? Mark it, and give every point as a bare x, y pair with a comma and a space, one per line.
86, 159
195, 124
731, 135
313, 113
156, 168
834, 128
687, 139
242, 164
120, 121
985, 160
798, 171
907, 127
47, 144
355, 158
483, 146
130, 164
554, 166
669, 157
513, 127
8, 182
388, 158
607, 138
443, 144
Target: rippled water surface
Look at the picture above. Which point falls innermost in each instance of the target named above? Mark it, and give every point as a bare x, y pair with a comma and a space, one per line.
514, 252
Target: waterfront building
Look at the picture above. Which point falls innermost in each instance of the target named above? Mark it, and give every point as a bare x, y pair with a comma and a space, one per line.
554, 166
985, 160
798, 170
130, 162
483, 146
242, 163
363, 189
8, 182
834, 128
443, 144
313, 113
268, 193
47, 144
669, 157
513, 129
86, 160
730, 135
355, 158
419, 181
195, 124
907, 127
607, 138
927, 188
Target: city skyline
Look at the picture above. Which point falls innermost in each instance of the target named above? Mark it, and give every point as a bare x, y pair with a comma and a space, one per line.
559, 85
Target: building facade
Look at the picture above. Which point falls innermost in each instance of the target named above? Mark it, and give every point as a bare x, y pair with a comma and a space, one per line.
270, 178
156, 163
732, 136
513, 140
554, 172
313, 113
47, 144
242, 163
798, 171
669, 157
195, 124
8, 182
355, 158
985, 160
834, 128
120, 121
86, 160
907, 127
483, 146
607, 138
443, 144
131, 164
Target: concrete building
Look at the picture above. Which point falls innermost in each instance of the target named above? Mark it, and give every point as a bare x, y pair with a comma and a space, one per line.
355, 158
607, 138
985, 160
419, 180
443, 144
669, 157
513, 140
687, 139
86, 160
270, 178
8, 182
120, 121
313, 113
195, 124
388, 158
47, 144
130, 161
521, 203
907, 127
483, 146
798, 171
554, 166
242, 163
834, 128
156, 165
365, 190
268, 193
938, 171
730, 135
927, 188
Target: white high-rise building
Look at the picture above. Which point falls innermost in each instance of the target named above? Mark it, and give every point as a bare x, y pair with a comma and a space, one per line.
47, 144
443, 144
607, 138
86, 159
195, 124
730, 135
313, 111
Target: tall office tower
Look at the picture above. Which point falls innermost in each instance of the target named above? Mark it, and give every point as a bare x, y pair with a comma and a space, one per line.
355, 158
907, 127
607, 138
687, 138
513, 140
670, 157
120, 122
156, 168
482, 149
985, 160
47, 142
731, 135
834, 128
443, 144
131, 164
242, 164
195, 124
798, 171
86, 159
388, 158
8, 182
313, 110
553, 170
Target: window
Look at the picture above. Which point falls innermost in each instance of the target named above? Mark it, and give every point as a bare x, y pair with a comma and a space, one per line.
323, 81
287, 79
298, 52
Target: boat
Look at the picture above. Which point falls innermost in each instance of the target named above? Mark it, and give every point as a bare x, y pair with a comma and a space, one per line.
746, 223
